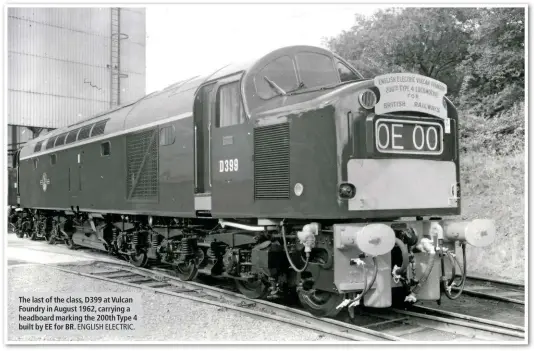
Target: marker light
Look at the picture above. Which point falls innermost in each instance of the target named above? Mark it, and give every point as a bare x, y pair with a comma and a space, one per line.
478, 232
367, 99
299, 188
347, 191
373, 239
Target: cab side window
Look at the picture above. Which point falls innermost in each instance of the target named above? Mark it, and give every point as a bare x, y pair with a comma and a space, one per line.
345, 73
229, 106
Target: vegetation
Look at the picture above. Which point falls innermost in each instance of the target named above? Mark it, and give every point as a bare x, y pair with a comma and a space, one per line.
479, 53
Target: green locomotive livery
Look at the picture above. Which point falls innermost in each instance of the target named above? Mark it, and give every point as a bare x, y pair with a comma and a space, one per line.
291, 173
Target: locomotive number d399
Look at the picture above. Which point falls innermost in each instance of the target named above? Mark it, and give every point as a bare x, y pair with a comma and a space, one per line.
231, 165
408, 137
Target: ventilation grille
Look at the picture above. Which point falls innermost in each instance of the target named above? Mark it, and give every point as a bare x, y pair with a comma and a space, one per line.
72, 136
50, 143
84, 133
271, 162
60, 140
99, 127
38, 146
142, 160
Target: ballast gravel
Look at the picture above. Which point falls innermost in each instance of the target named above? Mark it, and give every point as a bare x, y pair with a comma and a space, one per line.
165, 318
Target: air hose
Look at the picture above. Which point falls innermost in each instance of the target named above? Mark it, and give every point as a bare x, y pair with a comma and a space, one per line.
463, 268
366, 286
431, 262
405, 256
289, 258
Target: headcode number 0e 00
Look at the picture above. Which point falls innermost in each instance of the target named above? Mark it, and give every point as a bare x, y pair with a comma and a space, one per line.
231, 165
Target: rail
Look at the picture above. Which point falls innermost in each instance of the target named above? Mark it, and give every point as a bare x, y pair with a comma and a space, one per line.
163, 283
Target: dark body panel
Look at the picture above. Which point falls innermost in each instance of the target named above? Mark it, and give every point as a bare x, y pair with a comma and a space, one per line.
12, 196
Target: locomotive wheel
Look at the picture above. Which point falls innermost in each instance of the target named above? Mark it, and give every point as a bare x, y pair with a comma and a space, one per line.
187, 271
320, 303
70, 243
252, 289
51, 238
139, 260
33, 235
19, 233
24, 231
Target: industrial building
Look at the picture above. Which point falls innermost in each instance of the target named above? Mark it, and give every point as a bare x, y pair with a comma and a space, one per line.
67, 64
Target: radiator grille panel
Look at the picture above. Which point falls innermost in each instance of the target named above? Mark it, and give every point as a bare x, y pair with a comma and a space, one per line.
271, 162
142, 160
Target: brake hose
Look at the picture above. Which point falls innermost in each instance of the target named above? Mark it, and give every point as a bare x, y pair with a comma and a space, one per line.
367, 286
289, 258
432, 261
464, 275
405, 256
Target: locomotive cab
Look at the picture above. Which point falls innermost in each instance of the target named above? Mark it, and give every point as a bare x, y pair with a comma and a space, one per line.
360, 154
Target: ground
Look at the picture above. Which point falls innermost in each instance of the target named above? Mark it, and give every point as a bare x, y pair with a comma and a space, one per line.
164, 318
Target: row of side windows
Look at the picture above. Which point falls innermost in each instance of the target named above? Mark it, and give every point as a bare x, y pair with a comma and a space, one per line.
167, 137
105, 150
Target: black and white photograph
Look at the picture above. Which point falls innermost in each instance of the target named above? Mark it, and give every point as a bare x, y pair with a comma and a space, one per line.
256, 173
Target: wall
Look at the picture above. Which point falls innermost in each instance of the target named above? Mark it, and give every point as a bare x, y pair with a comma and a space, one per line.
59, 63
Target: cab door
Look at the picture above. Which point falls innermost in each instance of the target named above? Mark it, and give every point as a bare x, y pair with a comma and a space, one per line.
231, 151
202, 111
75, 175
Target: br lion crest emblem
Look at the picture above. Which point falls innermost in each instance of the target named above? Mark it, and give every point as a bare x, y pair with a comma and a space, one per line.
44, 181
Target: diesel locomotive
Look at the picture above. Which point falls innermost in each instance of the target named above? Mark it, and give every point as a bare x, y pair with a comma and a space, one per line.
289, 173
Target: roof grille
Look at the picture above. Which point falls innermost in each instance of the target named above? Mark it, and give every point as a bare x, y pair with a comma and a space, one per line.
60, 140
37, 147
99, 128
84, 132
71, 137
50, 143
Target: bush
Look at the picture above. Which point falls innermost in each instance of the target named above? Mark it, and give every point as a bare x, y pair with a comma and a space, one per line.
503, 134
483, 174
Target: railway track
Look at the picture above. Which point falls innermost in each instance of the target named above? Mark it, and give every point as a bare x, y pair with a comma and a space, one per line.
161, 282
494, 289
466, 326
385, 325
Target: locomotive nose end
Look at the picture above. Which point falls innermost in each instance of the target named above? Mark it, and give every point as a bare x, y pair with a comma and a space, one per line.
373, 239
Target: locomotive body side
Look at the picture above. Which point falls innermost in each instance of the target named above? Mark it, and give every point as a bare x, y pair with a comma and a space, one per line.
141, 164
